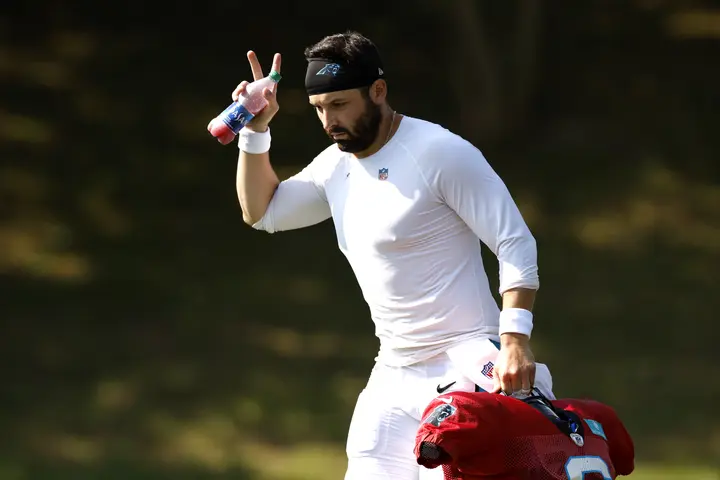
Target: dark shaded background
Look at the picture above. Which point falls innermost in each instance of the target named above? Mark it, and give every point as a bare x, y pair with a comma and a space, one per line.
148, 333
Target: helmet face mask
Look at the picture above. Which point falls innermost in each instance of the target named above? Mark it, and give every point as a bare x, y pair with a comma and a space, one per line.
567, 422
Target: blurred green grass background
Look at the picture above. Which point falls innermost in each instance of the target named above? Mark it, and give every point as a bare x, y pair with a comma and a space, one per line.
147, 334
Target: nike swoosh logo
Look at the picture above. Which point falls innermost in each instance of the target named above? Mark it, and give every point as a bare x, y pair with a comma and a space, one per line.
442, 389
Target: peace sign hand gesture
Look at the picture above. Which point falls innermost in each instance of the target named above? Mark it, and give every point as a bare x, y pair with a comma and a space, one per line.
262, 119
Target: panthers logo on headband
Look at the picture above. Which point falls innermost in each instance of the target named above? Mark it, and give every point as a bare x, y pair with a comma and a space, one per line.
331, 69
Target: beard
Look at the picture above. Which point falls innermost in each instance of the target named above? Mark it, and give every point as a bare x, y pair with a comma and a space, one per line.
363, 133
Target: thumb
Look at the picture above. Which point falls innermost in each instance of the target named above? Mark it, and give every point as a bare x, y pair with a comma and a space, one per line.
267, 93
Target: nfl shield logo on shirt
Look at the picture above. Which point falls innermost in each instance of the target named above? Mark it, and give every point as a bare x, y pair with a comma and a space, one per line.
383, 174
487, 370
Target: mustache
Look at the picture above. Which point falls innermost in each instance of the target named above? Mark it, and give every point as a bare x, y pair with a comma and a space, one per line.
336, 130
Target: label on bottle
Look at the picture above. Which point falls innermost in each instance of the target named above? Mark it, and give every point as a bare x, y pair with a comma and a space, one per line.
236, 117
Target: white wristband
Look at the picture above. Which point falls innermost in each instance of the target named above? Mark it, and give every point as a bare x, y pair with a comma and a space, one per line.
254, 142
516, 320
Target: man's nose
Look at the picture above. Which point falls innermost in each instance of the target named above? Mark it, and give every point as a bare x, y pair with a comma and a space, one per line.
328, 121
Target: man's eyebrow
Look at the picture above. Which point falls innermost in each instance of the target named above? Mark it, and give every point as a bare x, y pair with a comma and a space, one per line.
328, 102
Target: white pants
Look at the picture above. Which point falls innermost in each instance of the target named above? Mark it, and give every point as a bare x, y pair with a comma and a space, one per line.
381, 438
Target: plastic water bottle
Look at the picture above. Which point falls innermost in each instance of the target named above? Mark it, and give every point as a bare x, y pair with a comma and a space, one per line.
226, 126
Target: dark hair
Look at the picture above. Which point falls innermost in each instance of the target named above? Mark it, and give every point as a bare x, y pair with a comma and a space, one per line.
349, 47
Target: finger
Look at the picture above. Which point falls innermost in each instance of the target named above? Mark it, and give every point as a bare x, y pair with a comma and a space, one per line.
525, 388
515, 383
239, 90
531, 376
506, 383
512, 383
497, 386
524, 378
268, 93
255, 65
277, 60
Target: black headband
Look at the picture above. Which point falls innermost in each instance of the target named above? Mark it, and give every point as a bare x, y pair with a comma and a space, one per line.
324, 76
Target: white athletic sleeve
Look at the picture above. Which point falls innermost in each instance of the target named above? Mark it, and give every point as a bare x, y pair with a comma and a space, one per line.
298, 202
468, 184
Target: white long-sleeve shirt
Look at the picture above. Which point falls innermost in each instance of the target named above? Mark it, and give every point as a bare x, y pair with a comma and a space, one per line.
408, 219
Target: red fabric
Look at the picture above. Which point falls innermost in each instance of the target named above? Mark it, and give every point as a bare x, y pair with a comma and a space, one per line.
484, 435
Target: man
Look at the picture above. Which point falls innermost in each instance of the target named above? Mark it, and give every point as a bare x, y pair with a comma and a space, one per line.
409, 200
482, 435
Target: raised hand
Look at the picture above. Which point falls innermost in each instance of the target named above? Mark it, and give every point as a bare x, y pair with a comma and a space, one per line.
262, 119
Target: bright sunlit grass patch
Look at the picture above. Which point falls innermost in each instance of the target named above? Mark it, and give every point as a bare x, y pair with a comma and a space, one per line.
663, 472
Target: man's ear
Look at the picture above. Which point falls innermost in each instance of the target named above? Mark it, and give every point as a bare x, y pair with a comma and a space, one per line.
378, 91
